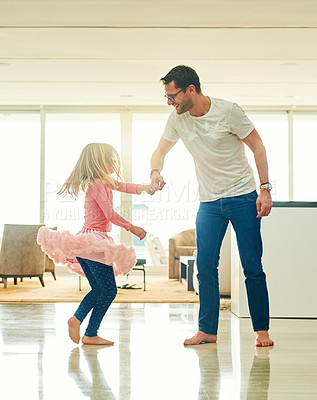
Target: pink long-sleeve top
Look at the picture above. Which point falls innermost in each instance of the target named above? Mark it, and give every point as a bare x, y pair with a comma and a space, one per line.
99, 212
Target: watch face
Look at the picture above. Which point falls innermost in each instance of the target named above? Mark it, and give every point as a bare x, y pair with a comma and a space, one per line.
266, 186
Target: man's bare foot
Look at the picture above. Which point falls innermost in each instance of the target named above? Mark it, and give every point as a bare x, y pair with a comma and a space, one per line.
74, 329
96, 340
201, 337
263, 339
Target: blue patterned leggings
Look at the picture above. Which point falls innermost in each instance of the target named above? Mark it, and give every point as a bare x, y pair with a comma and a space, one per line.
103, 292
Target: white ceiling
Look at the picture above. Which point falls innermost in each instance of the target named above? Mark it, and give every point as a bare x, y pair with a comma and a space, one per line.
101, 52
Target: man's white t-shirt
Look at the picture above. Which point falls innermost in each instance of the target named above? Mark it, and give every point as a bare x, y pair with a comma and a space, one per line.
214, 141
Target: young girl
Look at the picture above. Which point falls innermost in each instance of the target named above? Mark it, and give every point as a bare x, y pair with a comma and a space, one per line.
92, 253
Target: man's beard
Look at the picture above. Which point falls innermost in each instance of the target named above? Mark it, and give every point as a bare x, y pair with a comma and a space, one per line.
185, 107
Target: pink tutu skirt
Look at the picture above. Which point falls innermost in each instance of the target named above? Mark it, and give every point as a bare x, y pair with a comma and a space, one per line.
63, 247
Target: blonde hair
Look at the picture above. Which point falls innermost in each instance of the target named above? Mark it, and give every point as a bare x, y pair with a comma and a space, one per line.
96, 161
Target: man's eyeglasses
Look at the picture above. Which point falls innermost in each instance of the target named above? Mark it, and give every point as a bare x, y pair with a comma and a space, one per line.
171, 97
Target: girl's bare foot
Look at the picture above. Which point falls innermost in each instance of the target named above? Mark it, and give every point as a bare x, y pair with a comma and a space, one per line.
201, 337
74, 329
96, 340
263, 339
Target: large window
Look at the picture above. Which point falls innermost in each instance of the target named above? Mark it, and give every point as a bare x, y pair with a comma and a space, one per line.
174, 208
162, 215
273, 129
20, 136
66, 136
305, 166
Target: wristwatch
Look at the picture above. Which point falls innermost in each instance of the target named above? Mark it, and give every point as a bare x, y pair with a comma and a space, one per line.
153, 170
266, 185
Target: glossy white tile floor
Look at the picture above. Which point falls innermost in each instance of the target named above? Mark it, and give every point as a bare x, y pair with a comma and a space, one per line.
149, 361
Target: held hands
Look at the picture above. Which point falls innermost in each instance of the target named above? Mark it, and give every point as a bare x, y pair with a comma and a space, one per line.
137, 231
264, 203
149, 189
157, 180
157, 183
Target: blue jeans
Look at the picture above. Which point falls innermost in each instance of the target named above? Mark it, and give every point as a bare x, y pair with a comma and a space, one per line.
211, 225
103, 292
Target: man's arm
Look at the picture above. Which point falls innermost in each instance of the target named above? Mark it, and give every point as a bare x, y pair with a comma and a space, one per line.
264, 201
157, 162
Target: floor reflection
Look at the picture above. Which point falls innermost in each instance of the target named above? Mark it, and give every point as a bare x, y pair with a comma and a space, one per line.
96, 387
259, 377
124, 353
148, 360
209, 370
210, 374
20, 337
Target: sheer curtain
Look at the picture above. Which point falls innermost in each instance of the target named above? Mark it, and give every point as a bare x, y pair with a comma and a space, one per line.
20, 136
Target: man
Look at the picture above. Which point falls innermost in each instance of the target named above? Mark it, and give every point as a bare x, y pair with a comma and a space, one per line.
214, 131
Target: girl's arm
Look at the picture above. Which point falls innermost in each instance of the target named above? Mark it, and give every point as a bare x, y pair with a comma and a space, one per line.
133, 188
103, 196
103, 199
149, 189
127, 188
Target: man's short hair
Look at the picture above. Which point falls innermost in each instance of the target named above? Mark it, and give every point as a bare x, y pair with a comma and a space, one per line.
183, 76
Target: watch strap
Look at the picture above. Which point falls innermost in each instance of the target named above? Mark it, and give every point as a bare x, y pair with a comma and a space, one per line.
154, 170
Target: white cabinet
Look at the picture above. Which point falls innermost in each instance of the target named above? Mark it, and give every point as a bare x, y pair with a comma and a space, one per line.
289, 237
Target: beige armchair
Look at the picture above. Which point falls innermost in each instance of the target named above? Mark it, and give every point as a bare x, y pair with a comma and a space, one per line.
49, 266
182, 244
49, 263
20, 255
